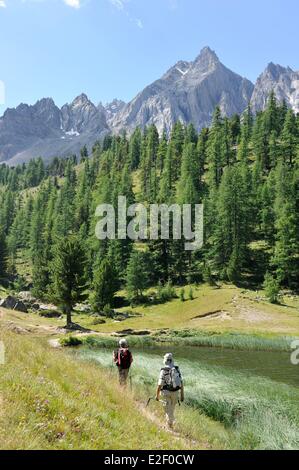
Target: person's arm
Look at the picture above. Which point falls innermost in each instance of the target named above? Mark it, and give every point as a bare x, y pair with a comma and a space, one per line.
182, 393
115, 357
160, 385
158, 392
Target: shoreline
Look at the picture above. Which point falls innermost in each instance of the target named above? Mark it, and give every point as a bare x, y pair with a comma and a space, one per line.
183, 338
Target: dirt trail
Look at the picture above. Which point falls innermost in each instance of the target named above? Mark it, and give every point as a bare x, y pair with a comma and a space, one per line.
151, 416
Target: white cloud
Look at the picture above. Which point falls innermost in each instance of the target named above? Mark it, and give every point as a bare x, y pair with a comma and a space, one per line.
73, 3
119, 4
139, 23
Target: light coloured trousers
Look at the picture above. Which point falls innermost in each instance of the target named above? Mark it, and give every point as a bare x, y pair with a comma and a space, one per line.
170, 400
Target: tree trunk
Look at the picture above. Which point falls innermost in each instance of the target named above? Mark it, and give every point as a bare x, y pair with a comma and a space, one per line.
68, 312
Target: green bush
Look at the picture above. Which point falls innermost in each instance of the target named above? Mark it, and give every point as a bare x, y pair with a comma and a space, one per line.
70, 341
272, 290
166, 293
108, 312
191, 296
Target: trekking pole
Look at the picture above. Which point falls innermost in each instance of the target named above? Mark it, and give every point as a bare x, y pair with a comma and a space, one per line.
154, 399
148, 401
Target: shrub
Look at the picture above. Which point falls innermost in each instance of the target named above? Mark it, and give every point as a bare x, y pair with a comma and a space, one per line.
108, 312
166, 293
191, 296
70, 341
272, 290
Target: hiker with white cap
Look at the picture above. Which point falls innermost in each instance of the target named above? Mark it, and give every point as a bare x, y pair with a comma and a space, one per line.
123, 359
171, 386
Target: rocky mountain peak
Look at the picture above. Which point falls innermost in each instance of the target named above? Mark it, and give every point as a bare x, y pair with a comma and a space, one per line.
81, 101
275, 70
187, 92
283, 81
206, 59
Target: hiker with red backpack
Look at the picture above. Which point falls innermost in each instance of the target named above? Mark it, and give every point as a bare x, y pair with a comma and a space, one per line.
123, 359
171, 386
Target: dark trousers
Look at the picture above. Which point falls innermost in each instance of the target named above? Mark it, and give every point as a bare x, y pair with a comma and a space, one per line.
123, 376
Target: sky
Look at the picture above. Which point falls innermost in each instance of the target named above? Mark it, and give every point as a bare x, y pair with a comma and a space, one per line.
114, 48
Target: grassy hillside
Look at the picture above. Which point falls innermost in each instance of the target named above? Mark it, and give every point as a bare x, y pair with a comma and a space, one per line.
48, 401
214, 310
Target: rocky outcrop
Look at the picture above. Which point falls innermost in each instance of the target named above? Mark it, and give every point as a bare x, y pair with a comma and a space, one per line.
188, 92
12, 303
283, 81
112, 109
45, 130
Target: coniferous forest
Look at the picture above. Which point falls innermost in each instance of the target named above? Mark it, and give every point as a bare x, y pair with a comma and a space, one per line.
244, 169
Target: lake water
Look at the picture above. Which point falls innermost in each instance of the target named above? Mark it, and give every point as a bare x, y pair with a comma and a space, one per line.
272, 365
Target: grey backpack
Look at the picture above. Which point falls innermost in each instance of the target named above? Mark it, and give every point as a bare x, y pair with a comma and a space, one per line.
172, 379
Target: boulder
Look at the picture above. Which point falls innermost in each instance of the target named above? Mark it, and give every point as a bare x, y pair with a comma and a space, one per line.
26, 296
13, 303
98, 321
83, 308
130, 332
47, 307
9, 302
49, 314
35, 306
20, 307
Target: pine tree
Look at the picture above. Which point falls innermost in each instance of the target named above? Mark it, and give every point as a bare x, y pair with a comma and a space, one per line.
289, 138
105, 285
285, 258
216, 150
231, 231
135, 149
68, 274
137, 275
189, 185
149, 176
260, 138
272, 289
84, 154
3, 255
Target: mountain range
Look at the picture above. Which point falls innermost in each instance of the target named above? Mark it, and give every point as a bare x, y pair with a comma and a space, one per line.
188, 91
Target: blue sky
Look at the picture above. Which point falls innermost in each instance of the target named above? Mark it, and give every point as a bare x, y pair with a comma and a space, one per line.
113, 48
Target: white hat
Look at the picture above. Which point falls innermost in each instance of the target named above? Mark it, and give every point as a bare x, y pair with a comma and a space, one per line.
123, 343
168, 359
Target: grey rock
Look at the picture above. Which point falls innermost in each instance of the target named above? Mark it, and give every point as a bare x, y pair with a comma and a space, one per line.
45, 130
49, 314
283, 81
112, 109
9, 302
84, 308
188, 92
26, 296
21, 307
35, 306
12, 303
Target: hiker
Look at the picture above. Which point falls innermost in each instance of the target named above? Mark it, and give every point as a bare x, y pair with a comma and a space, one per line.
123, 359
171, 385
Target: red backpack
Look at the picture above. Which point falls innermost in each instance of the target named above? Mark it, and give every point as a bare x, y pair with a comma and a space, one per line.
123, 358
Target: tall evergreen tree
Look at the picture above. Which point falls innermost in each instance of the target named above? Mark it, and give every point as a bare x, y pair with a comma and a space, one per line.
68, 272
105, 285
